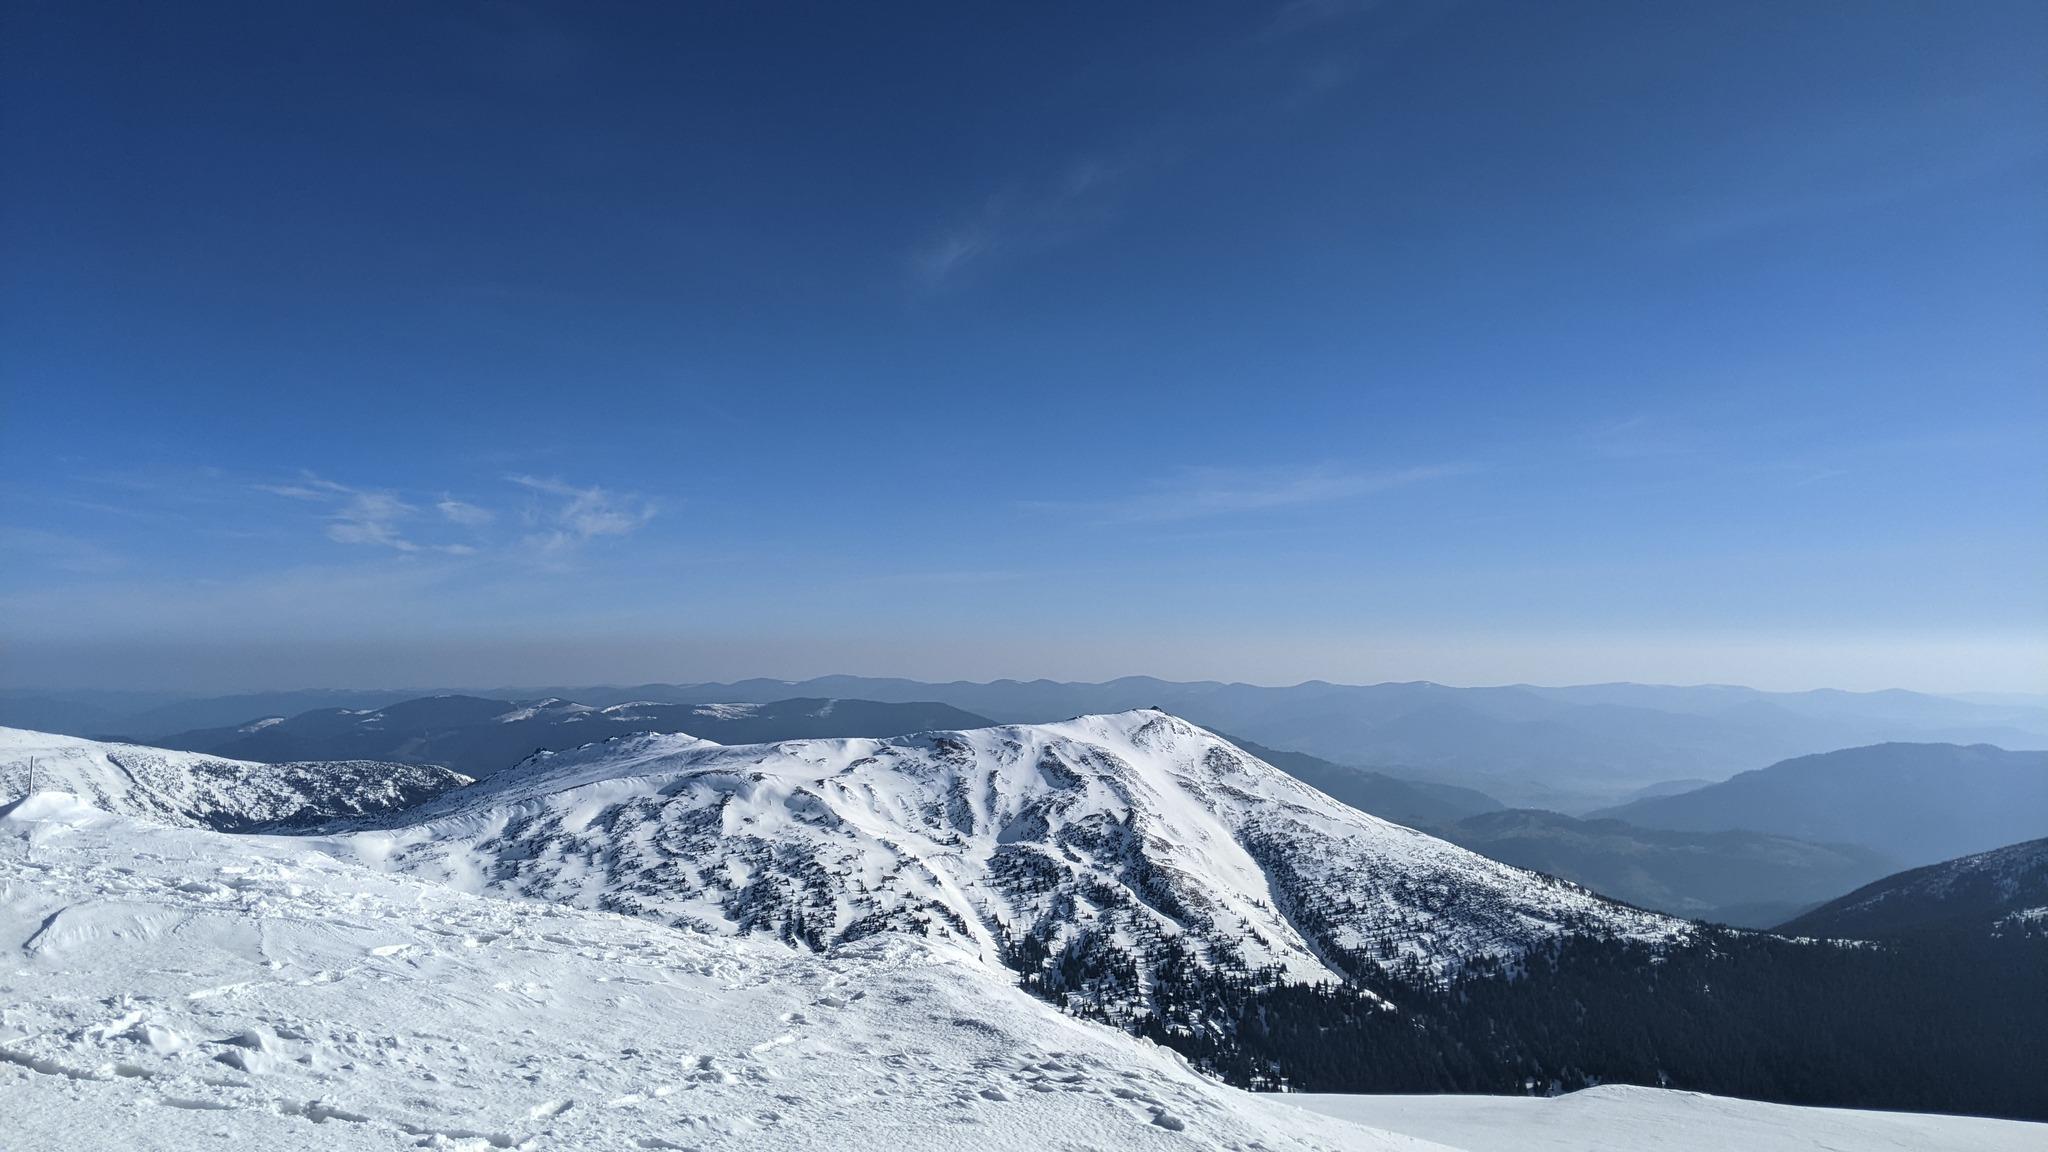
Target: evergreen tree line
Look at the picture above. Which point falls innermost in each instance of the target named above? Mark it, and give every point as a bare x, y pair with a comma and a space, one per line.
1940, 1023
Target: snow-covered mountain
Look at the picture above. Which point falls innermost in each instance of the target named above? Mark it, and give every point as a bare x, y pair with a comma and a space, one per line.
2003, 889
659, 942
175, 988
1100, 856
192, 790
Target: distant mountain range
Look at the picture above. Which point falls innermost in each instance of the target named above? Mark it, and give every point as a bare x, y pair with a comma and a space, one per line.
1751, 852
1568, 749
1748, 879
479, 736
1416, 803
2003, 890
1917, 803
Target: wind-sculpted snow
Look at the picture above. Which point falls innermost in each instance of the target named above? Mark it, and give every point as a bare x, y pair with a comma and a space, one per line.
172, 989
1098, 854
189, 789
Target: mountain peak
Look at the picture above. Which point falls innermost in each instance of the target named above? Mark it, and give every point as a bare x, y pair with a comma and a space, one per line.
1088, 852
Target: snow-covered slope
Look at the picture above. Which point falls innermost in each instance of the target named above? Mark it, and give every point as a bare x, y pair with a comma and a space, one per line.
1618, 1118
189, 789
178, 989
173, 989
1109, 848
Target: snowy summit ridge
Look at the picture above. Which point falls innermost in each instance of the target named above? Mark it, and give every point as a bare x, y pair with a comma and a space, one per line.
198, 791
1104, 845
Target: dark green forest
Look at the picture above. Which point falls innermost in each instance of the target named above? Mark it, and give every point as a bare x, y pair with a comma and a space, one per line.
1949, 1023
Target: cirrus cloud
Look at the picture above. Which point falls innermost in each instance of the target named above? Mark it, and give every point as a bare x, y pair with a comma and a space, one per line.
581, 513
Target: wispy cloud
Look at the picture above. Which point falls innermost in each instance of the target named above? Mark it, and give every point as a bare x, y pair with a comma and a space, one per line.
581, 514
464, 513
1643, 436
1775, 173
357, 515
1023, 216
1203, 493
379, 517
1298, 56
569, 515
935, 263
372, 518
307, 491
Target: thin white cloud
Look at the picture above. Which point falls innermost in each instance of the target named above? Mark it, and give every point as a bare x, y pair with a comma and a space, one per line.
945, 254
371, 518
1203, 493
1026, 215
1641, 436
296, 491
360, 515
571, 515
1294, 59
464, 513
582, 513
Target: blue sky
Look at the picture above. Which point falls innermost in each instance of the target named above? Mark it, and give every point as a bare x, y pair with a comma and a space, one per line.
471, 344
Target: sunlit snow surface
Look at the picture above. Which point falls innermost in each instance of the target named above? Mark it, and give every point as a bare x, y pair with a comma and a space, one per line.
196, 790
1137, 828
180, 989
1626, 1119
174, 989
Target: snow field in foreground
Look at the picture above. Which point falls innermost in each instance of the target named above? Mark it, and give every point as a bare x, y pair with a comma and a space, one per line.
175, 989
170, 988
1621, 1118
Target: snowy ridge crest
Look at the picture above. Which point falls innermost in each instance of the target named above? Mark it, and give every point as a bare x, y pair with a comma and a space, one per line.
192, 790
1097, 853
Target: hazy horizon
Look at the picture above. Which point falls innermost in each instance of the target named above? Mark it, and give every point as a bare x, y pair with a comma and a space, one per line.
180, 679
